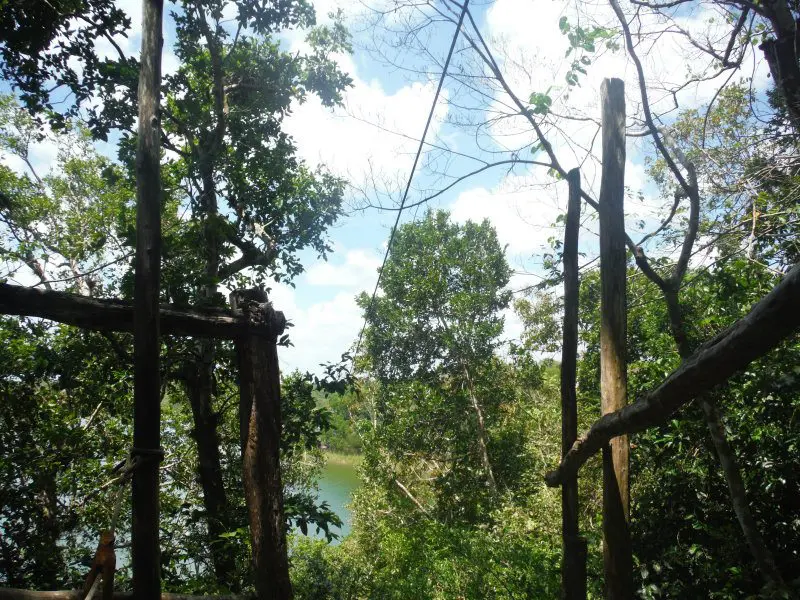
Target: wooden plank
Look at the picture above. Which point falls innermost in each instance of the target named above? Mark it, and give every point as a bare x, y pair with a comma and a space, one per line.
19, 594
573, 569
617, 555
145, 548
772, 320
117, 315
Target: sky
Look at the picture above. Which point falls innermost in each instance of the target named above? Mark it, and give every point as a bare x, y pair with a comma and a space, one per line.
374, 135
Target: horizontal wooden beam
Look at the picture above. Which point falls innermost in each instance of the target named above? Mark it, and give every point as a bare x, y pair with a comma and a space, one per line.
771, 320
116, 315
17, 594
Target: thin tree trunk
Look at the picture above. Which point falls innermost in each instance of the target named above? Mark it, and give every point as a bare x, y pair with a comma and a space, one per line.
482, 436
617, 555
741, 507
573, 569
410, 496
145, 550
726, 455
476, 407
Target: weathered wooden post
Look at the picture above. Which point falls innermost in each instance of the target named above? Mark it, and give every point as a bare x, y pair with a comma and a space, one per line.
613, 332
573, 568
145, 551
260, 431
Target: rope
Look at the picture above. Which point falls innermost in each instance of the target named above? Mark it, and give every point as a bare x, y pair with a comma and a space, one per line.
125, 470
411, 175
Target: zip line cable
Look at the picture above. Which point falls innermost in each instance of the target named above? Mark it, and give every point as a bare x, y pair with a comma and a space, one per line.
411, 175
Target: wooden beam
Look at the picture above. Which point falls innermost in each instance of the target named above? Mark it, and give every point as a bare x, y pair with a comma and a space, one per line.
18, 594
617, 553
573, 567
772, 320
145, 548
117, 315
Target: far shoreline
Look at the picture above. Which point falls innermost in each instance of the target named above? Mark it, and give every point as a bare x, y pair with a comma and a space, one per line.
350, 459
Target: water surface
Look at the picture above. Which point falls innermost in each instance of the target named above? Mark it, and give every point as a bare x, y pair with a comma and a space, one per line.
336, 484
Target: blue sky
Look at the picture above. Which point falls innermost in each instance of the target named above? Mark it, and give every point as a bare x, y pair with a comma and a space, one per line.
522, 204
372, 138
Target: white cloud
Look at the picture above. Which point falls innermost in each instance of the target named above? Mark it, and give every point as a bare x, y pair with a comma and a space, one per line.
360, 140
356, 273
42, 155
520, 210
321, 333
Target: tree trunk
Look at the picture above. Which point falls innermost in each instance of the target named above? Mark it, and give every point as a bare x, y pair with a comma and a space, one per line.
782, 57
145, 550
260, 403
733, 476
482, 436
617, 556
573, 569
200, 384
726, 455
199, 388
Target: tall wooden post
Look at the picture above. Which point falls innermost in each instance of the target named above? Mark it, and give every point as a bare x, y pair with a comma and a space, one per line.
145, 551
573, 568
260, 431
613, 331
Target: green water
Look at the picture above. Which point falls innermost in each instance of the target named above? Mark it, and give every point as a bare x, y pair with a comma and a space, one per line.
336, 484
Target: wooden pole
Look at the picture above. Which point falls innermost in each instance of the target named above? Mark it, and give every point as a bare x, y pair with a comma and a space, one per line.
145, 551
617, 556
573, 568
260, 431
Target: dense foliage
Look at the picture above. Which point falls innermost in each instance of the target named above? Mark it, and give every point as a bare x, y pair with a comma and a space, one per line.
453, 424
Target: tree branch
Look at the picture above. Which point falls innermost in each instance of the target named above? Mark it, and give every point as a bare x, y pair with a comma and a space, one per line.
772, 320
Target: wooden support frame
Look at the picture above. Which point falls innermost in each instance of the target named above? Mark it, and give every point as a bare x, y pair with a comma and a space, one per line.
255, 327
617, 553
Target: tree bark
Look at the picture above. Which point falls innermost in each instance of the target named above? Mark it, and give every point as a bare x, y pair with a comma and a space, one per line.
573, 568
145, 550
260, 419
771, 320
617, 554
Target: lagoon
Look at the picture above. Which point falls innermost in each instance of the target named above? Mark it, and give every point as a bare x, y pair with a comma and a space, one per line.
337, 482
